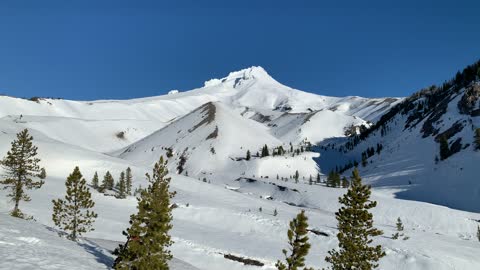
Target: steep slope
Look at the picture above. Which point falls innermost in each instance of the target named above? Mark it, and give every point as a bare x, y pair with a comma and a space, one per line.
412, 134
314, 126
210, 139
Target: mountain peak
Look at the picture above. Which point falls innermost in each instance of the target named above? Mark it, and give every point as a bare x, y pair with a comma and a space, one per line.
237, 78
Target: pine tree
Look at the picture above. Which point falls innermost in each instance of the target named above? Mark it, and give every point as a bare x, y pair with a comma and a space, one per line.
344, 182
147, 238
107, 183
248, 155
355, 225
122, 186
477, 137
20, 165
128, 181
364, 161
95, 181
478, 233
297, 175
265, 152
43, 174
444, 148
74, 213
298, 244
275, 212
318, 177
399, 225
331, 179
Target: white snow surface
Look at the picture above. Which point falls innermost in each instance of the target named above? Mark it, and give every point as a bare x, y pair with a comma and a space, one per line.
219, 215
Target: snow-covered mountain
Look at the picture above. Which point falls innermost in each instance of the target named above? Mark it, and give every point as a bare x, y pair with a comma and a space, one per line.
205, 134
411, 134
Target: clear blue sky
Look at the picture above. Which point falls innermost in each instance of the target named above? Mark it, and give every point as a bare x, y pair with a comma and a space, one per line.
124, 49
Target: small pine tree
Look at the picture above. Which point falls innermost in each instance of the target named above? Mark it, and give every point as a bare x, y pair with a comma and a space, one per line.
248, 155
74, 213
297, 175
122, 187
95, 181
20, 165
444, 148
344, 182
298, 244
43, 174
128, 181
107, 183
355, 225
275, 212
477, 137
399, 225
147, 238
364, 161
318, 177
478, 233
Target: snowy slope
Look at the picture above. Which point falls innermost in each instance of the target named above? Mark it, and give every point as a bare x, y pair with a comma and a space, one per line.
411, 159
221, 214
314, 126
248, 92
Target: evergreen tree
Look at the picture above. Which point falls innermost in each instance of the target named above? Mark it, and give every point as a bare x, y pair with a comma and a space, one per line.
364, 161
310, 180
331, 179
444, 148
477, 138
147, 238
20, 165
355, 225
297, 175
43, 174
248, 155
275, 212
128, 181
265, 152
95, 181
122, 186
298, 244
318, 177
399, 225
74, 213
344, 182
107, 183
478, 233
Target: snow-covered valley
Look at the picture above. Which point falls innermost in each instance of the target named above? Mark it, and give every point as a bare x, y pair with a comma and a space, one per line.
226, 201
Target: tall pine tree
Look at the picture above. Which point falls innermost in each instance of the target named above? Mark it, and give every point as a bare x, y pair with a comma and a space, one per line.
355, 225
21, 166
128, 181
148, 237
74, 214
95, 181
122, 186
298, 244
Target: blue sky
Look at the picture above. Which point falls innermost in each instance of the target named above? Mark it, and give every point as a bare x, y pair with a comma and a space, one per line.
125, 49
